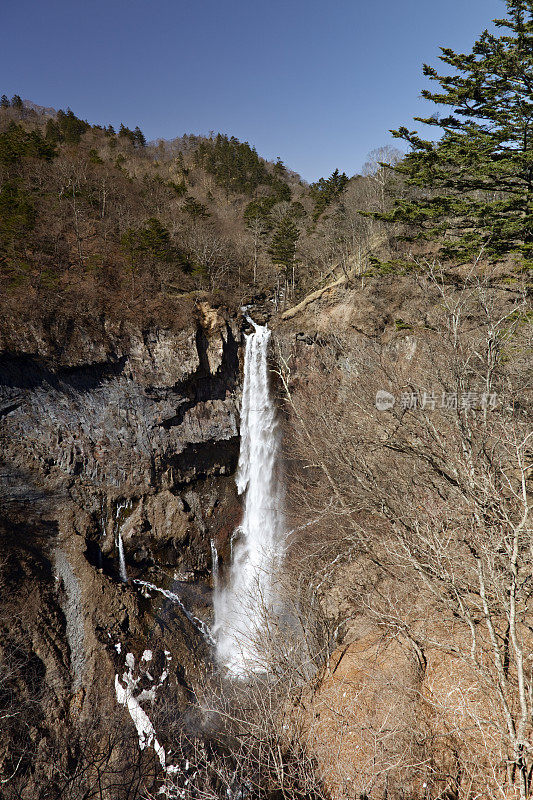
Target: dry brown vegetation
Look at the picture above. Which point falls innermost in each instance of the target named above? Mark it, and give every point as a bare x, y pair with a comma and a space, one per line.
99, 223
419, 542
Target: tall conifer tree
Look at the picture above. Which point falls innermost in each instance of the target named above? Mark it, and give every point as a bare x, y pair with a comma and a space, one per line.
139, 137
283, 245
476, 181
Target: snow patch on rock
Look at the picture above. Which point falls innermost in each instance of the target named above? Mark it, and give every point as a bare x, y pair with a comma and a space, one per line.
128, 696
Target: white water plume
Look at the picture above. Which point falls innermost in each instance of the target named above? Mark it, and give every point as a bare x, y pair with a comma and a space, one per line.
214, 564
248, 594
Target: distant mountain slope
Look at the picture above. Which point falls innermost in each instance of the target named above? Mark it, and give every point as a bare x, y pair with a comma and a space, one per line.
87, 211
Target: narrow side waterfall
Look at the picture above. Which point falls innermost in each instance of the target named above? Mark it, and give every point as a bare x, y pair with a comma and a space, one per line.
248, 593
214, 564
121, 560
124, 505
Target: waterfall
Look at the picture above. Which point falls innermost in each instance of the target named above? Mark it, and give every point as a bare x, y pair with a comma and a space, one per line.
124, 505
248, 594
199, 624
121, 560
214, 564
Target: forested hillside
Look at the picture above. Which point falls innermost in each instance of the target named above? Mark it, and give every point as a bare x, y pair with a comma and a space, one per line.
102, 219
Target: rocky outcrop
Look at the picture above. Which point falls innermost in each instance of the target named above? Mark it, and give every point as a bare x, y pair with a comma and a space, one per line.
109, 430
121, 414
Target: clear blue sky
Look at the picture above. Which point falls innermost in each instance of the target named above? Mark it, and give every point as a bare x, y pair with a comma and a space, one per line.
317, 83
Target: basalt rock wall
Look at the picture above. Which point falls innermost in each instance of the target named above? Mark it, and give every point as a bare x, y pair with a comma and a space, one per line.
107, 431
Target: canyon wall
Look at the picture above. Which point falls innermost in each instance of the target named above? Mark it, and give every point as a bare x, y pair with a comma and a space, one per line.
108, 431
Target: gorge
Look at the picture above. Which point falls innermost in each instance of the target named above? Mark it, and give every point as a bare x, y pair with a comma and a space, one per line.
143, 444
266, 446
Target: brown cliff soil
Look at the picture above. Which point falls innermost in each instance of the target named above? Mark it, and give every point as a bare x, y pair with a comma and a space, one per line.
405, 518
107, 429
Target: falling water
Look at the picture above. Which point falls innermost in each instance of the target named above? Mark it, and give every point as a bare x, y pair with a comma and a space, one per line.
241, 604
121, 560
214, 564
199, 624
125, 504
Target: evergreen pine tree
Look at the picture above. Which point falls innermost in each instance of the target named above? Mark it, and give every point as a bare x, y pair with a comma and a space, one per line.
326, 190
476, 181
195, 208
155, 240
16, 144
94, 158
4, 101
279, 168
283, 245
236, 166
53, 133
139, 137
126, 133
17, 215
180, 165
71, 128
16, 102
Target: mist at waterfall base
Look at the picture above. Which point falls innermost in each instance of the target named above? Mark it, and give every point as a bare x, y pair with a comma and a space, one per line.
248, 595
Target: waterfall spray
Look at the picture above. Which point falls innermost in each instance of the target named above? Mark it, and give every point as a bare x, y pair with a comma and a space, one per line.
248, 594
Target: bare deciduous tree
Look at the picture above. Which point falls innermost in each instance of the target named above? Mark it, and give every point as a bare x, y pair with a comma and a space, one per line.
432, 494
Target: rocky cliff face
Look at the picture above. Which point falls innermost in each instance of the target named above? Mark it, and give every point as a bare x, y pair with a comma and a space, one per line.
106, 433
113, 435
